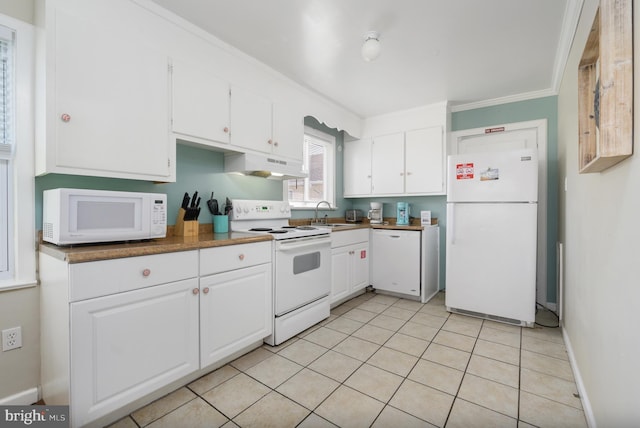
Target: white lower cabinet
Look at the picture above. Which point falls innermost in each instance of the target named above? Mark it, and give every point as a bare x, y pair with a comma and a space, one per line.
127, 345
116, 331
235, 311
349, 263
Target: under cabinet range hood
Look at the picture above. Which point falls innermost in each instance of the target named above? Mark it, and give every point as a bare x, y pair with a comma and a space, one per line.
265, 166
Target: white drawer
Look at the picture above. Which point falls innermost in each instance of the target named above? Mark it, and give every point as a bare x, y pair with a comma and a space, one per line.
231, 257
348, 237
102, 278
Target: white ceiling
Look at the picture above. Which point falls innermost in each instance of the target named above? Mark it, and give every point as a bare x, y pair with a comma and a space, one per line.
470, 52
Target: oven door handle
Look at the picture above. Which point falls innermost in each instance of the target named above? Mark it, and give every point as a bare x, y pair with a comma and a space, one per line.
308, 243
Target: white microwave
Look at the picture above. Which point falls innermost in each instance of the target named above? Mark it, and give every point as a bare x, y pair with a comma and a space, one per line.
80, 216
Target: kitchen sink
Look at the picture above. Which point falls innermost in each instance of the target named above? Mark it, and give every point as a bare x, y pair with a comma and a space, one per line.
333, 225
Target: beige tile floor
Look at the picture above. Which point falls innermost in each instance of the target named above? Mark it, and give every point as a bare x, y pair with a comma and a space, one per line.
381, 361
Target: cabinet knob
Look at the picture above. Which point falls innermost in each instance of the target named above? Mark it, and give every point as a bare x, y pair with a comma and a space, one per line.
275, 143
409, 173
65, 117
241, 256
205, 290
226, 130
146, 272
401, 174
270, 142
195, 291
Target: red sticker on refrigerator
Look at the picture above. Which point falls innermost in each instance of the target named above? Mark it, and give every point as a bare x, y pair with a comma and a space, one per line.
464, 171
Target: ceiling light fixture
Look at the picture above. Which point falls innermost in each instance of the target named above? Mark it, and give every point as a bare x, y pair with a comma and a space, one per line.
371, 46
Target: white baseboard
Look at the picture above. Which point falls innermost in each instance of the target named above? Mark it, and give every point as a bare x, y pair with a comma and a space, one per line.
584, 398
23, 398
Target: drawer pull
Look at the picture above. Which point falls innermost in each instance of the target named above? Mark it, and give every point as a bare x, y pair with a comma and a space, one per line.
146, 272
195, 291
241, 256
205, 290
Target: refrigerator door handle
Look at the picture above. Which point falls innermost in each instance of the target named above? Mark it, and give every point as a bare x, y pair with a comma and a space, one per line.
451, 226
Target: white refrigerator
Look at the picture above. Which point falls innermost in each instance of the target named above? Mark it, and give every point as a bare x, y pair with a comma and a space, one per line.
492, 235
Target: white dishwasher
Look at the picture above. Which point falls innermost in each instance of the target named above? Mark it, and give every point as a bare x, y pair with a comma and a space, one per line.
396, 261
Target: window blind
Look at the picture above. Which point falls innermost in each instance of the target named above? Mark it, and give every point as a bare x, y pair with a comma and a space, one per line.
6, 96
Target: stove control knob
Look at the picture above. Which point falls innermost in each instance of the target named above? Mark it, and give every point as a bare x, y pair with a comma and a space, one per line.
246, 210
238, 209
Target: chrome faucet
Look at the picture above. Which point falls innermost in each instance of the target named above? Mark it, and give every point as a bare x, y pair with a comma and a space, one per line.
325, 217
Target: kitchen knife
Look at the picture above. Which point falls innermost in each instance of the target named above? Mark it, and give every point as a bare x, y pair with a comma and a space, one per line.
185, 201
193, 200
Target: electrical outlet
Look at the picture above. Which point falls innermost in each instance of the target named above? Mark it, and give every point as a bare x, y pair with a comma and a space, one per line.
11, 338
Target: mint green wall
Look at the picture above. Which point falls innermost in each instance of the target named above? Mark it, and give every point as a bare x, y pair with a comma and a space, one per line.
196, 169
540, 108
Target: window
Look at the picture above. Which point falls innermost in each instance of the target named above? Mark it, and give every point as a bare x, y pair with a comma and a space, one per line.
319, 162
17, 153
6, 145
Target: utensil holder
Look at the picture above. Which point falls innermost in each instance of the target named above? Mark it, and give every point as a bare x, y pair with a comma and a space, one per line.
220, 224
185, 228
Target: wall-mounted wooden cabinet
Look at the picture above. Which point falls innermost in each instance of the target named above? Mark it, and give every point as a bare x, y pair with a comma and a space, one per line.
605, 93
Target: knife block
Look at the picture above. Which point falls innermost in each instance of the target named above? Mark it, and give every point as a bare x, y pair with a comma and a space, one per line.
185, 228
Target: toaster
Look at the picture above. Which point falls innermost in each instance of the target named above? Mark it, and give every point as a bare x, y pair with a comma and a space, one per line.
353, 216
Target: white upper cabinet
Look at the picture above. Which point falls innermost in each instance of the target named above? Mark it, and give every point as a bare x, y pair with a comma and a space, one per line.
387, 164
425, 161
106, 102
357, 168
251, 120
200, 104
288, 131
405, 154
405, 163
259, 125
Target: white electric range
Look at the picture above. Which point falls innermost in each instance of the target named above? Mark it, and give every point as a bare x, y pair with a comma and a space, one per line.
301, 265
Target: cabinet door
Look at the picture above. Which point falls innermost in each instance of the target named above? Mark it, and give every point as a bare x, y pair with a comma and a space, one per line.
127, 345
288, 131
340, 270
387, 164
111, 112
357, 168
251, 120
360, 266
424, 154
200, 103
235, 311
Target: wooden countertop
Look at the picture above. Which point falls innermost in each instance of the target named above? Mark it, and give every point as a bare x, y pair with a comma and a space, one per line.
116, 250
173, 243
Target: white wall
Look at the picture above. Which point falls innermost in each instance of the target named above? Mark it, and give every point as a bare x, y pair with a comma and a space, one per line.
20, 368
19, 9
599, 225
